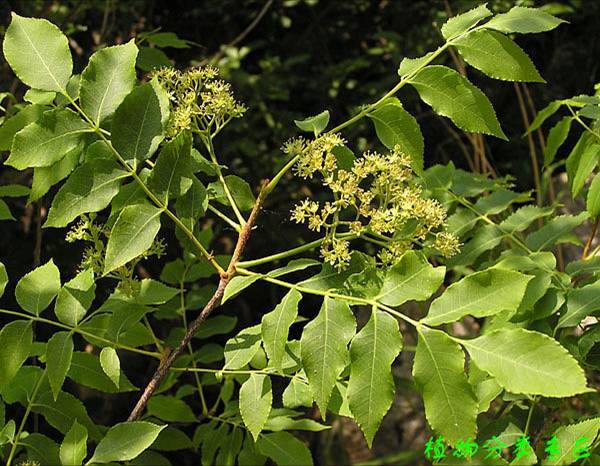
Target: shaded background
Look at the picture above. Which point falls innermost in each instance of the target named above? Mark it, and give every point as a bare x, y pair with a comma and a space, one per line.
286, 60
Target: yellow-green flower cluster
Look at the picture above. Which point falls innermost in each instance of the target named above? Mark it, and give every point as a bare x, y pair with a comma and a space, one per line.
377, 198
199, 101
315, 156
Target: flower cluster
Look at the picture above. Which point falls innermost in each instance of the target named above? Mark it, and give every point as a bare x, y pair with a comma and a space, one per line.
376, 198
316, 155
93, 256
200, 101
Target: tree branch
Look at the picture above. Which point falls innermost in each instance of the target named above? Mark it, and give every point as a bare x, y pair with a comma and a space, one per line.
214, 302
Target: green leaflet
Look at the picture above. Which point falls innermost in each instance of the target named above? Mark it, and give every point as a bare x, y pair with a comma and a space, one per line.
38, 52
46, 177
371, 386
16, 123
170, 409
171, 439
230, 446
395, 126
240, 191
86, 370
138, 123
524, 20
439, 370
36, 96
479, 294
581, 303
568, 439
556, 137
169, 177
73, 449
125, 441
576, 157
256, 398
47, 140
238, 284
588, 265
90, 188
543, 366
3, 278
36, 290
109, 360
557, 230
524, 217
132, 235
295, 265
497, 56
278, 423
315, 124
5, 213
240, 349
107, 79
297, 394
167, 39
75, 298
284, 449
193, 204
499, 200
453, 96
41, 448
16, 339
324, 348
410, 65
276, 325
544, 114
484, 239
59, 352
124, 315
593, 197
580, 166
150, 59
460, 24
412, 278
154, 292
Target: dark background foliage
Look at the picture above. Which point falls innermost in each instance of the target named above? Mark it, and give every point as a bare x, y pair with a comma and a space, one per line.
288, 59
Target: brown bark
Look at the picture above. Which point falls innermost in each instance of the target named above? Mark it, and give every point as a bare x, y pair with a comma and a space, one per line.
215, 301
